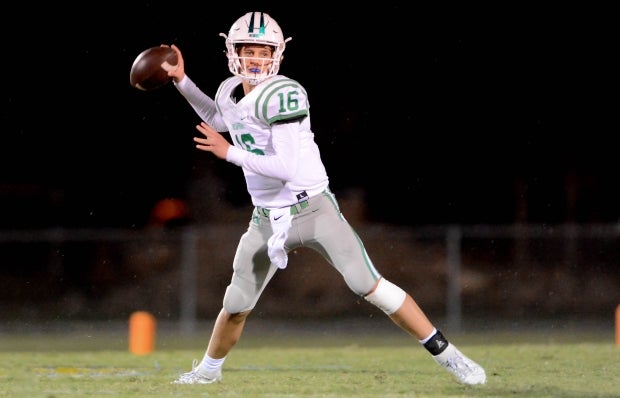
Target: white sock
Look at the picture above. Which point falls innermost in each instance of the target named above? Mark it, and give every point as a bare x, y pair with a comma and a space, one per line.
208, 364
423, 341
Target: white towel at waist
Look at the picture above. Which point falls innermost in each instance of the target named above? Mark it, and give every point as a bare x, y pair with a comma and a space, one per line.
280, 224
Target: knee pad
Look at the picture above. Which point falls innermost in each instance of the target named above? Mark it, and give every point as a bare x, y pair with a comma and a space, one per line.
236, 301
387, 296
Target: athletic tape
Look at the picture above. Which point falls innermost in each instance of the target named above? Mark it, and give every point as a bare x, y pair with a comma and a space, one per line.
387, 296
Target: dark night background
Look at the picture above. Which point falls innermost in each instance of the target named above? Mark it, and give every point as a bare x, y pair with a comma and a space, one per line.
444, 114
484, 116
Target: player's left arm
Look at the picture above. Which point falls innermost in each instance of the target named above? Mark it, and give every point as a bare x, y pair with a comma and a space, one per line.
284, 163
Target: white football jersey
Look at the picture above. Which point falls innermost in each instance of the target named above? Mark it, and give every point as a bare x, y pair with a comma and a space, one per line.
273, 141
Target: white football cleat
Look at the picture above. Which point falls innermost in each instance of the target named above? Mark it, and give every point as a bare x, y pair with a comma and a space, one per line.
196, 377
464, 369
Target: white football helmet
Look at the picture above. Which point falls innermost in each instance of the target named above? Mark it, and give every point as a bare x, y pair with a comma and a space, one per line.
255, 28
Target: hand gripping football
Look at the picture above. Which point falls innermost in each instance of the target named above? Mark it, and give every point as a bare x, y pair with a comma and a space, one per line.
150, 68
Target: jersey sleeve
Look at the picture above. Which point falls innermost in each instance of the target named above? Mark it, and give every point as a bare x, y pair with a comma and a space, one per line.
282, 100
283, 165
203, 105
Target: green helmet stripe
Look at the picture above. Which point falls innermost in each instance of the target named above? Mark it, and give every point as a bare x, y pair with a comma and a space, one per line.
261, 28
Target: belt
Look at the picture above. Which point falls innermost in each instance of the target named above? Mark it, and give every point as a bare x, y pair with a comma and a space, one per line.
295, 209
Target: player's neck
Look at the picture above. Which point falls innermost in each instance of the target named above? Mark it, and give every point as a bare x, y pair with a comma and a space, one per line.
247, 87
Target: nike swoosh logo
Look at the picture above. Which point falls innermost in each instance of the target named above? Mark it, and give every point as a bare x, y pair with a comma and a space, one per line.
277, 218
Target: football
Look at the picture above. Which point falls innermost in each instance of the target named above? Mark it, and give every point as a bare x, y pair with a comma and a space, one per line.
150, 68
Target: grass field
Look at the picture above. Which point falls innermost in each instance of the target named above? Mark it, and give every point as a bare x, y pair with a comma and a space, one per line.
318, 360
